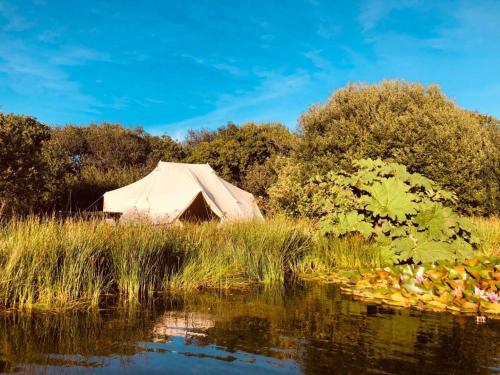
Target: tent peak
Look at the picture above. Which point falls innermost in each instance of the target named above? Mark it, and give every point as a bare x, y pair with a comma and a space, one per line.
183, 164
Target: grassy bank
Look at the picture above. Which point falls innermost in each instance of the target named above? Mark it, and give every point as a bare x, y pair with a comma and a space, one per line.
55, 264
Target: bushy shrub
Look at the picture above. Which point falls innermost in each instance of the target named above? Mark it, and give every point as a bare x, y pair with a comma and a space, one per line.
244, 155
21, 163
406, 213
411, 124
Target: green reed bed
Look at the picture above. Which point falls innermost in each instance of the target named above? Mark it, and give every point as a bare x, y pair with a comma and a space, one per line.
46, 263
49, 263
240, 254
328, 255
488, 231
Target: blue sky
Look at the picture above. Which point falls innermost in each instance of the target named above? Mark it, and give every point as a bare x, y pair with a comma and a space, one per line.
174, 65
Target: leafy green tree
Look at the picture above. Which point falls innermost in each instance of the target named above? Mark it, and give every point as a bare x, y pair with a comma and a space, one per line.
243, 154
164, 148
86, 161
491, 168
62, 156
112, 146
21, 164
410, 124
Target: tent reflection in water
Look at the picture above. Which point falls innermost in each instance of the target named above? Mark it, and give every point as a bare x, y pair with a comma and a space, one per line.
186, 192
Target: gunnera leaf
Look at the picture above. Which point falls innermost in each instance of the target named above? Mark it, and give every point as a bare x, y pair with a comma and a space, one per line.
353, 222
437, 220
390, 198
426, 249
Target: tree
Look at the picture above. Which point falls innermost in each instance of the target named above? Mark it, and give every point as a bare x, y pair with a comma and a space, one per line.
164, 148
112, 146
243, 154
410, 124
62, 154
21, 163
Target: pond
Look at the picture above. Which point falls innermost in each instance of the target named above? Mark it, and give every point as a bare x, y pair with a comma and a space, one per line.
309, 329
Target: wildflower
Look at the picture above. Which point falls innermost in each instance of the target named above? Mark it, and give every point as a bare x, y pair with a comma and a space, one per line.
457, 292
479, 293
404, 277
419, 277
396, 286
493, 297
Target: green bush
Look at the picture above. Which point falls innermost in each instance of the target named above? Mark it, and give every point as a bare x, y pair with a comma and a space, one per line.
406, 214
244, 155
413, 125
21, 164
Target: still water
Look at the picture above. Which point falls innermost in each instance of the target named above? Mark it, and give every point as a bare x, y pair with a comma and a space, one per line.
309, 329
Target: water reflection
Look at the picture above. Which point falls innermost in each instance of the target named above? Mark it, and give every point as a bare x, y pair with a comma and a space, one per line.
308, 330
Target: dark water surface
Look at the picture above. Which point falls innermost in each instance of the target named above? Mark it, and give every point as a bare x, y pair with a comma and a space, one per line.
310, 329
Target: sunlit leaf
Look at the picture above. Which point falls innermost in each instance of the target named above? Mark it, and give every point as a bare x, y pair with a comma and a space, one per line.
390, 198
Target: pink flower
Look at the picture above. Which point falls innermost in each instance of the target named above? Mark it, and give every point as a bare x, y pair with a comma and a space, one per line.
493, 297
479, 293
404, 277
419, 279
457, 292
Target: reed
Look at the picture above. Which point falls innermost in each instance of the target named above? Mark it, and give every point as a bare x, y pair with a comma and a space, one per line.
488, 231
330, 255
241, 254
50, 263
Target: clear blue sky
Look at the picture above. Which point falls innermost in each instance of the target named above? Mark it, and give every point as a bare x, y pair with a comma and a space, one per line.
174, 65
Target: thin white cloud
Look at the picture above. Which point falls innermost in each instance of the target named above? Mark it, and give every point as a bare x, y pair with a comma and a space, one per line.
375, 11
37, 73
220, 66
233, 107
318, 61
14, 22
48, 36
77, 56
458, 54
231, 69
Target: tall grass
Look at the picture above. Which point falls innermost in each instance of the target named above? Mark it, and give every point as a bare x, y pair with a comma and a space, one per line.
55, 264
52, 263
332, 254
241, 253
488, 230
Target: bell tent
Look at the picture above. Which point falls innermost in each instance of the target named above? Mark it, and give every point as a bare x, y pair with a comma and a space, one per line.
177, 191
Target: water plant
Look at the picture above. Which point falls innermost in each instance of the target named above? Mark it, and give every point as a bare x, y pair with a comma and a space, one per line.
471, 286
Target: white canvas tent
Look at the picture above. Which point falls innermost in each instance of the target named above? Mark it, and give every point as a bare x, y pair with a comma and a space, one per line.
177, 191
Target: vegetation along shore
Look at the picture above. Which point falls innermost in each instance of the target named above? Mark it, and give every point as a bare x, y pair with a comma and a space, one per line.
391, 189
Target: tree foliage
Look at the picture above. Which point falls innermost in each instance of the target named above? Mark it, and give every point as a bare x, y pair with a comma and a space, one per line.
413, 125
244, 155
417, 126
22, 180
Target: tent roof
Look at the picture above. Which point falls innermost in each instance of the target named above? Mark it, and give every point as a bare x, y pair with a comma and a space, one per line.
168, 191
